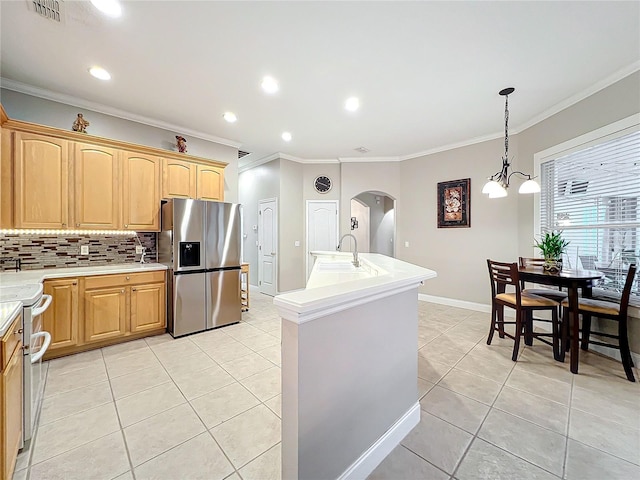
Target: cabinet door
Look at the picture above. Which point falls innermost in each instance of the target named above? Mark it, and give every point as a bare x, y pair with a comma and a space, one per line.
11, 411
141, 193
61, 318
147, 307
41, 181
105, 313
96, 187
178, 179
210, 183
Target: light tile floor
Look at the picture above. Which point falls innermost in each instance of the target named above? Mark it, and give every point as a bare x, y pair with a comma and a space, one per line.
208, 407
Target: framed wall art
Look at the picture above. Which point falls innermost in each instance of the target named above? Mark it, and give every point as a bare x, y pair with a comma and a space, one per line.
454, 204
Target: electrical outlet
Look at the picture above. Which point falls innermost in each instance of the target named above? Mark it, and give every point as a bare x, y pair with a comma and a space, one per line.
139, 250
406, 244
84, 249
296, 243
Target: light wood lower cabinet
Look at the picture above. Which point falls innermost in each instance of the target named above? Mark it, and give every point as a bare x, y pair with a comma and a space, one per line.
105, 314
11, 399
147, 307
61, 318
92, 312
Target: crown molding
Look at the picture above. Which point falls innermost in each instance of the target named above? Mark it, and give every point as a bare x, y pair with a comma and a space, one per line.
114, 112
368, 159
452, 146
572, 100
258, 162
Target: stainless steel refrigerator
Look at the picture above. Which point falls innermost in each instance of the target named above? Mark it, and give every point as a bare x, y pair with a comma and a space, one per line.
200, 243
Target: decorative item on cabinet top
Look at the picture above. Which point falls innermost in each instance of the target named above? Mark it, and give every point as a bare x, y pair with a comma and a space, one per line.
80, 125
181, 143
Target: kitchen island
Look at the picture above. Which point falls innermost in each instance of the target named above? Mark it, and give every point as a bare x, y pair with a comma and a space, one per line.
349, 365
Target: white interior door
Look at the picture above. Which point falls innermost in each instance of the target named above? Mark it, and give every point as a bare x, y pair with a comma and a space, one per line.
322, 228
268, 246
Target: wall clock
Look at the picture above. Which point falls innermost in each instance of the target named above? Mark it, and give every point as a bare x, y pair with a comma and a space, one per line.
322, 184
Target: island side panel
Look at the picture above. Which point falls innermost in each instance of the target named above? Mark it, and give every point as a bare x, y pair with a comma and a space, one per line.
357, 376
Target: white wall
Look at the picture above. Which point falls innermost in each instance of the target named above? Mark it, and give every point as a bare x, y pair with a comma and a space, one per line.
32, 109
257, 184
457, 254
291, 227
362, 213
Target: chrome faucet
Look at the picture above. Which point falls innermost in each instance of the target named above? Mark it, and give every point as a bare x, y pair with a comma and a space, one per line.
356, 262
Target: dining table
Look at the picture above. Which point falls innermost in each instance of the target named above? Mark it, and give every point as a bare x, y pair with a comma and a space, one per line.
573, 281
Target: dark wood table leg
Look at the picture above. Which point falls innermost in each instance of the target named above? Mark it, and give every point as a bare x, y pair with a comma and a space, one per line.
575, 326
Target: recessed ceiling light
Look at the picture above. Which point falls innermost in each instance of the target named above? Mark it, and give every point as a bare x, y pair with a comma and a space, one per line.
286, 136
269, 85
100, 73
111, 8
352, 104
230, 117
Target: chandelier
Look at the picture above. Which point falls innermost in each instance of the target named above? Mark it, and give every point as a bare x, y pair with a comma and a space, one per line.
498, 183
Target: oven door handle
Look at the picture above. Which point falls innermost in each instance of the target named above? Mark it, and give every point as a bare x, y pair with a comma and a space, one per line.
44, 304
47, 341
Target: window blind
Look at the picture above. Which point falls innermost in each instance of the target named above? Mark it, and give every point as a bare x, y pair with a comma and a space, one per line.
593, 197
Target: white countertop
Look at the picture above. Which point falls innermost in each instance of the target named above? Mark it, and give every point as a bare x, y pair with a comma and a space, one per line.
8, 313
337, 290
37, 276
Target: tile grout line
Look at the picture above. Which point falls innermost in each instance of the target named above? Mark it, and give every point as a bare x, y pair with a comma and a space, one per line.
566, 443
115, 407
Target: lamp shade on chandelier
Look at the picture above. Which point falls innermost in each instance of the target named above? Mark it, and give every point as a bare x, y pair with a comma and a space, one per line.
498, 183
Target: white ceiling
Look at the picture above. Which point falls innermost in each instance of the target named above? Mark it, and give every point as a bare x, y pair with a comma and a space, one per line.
427, 73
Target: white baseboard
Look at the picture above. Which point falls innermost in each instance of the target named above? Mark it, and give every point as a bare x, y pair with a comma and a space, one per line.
370, 459
453, 302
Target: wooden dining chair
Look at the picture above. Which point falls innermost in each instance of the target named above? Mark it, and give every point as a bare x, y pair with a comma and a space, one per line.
589, 307
503, 275
557, 295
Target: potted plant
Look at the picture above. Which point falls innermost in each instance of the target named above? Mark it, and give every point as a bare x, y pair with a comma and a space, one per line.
552, 246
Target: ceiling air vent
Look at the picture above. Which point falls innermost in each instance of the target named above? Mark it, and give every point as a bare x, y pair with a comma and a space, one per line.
362, 149
242, 154
50, 9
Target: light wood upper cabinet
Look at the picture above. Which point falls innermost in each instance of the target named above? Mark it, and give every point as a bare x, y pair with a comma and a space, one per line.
96, 187
105, 313
178, 179
147, 307
61, 318
210, 183
41, 168
141, 192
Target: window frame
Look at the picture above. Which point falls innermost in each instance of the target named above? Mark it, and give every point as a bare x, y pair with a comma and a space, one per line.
608, 132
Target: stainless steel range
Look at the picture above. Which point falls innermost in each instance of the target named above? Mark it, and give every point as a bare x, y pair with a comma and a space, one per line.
35, 343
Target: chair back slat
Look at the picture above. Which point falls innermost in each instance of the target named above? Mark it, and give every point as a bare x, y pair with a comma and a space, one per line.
626, 292
525, 262
501, 275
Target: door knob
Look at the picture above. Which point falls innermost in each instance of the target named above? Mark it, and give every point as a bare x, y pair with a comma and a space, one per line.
273, 253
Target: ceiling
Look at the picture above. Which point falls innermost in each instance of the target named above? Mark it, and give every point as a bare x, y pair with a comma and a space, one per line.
427, 73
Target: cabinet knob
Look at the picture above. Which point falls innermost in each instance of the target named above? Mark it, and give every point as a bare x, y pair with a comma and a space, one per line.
18, 332
122, 291
126, 226
128, 278
64, 224
74, 283
134, 289
77, 224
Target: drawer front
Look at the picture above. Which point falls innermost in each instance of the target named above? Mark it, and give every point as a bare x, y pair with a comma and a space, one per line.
123, 279
12, 338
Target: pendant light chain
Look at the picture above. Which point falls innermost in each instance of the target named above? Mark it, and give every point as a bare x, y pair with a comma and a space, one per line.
506, 127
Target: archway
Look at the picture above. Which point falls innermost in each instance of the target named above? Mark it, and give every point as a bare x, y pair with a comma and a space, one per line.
373, 222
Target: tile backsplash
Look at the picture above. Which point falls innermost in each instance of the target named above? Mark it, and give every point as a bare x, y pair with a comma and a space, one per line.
55, 251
